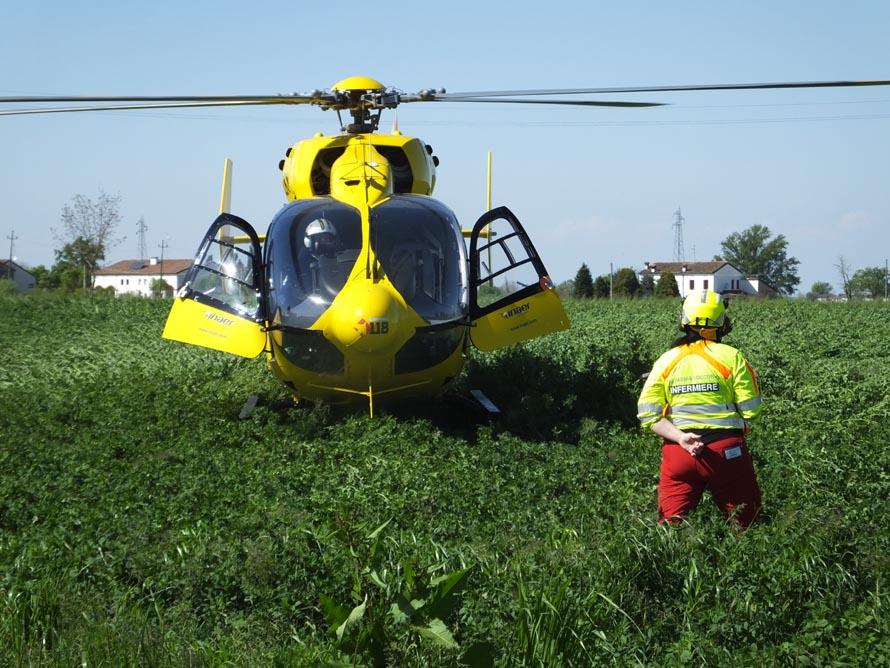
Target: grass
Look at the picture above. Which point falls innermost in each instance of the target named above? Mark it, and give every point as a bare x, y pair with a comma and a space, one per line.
141, 523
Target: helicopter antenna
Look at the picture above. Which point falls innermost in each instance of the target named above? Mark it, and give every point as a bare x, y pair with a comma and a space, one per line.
225, 195
488, 208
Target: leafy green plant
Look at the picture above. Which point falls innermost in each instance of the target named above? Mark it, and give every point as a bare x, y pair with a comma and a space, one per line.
396, 608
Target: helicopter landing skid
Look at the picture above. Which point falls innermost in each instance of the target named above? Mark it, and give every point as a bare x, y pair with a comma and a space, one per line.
477, 401
487, 404
254, 400
248, 407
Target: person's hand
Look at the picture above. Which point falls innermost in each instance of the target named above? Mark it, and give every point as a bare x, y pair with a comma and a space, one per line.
691, 443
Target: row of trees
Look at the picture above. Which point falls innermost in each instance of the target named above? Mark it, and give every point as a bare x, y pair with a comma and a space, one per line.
623, 284
754, 252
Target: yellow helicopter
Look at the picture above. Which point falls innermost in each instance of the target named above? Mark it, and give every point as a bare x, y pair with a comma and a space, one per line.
363, 287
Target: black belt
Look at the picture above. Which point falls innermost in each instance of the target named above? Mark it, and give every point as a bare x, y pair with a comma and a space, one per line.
711, 435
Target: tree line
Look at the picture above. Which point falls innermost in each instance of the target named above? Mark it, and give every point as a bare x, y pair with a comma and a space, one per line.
754, 252
865, 283
624, 283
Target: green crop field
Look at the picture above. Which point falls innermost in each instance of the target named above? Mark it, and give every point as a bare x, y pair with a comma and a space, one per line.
141, 523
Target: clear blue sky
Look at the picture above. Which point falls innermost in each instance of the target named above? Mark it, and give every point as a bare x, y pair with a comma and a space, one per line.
592, 185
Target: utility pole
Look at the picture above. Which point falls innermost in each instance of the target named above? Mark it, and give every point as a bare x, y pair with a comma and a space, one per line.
12, 237
886, 279
610, 281
141, 228
162, 246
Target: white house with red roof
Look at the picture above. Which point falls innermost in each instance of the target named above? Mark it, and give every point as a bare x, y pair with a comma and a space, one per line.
135, 277
718, 276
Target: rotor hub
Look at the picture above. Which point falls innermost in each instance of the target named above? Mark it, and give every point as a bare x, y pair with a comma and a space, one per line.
361, 96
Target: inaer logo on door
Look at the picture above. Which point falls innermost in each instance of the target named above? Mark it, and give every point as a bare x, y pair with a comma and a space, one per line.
516, 310
218, 318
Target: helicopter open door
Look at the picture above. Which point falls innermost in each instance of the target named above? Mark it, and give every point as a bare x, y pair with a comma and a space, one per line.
220, 304
511, 296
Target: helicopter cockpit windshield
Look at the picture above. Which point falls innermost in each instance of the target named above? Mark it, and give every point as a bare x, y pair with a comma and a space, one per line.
312, 247
418, 243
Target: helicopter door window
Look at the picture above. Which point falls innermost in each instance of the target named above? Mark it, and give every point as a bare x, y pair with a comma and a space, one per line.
224, 271
225, 274
504, 264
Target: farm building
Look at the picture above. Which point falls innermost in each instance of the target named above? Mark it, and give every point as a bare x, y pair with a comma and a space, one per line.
719, 276
135, 277
24, 280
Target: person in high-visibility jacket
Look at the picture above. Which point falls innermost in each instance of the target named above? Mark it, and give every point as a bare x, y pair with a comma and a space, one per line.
701, 397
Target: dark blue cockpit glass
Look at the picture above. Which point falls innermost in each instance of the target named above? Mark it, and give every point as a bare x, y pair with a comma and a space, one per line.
311, 248
418, 243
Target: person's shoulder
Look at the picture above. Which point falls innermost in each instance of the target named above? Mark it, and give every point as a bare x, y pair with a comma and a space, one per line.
667, 357
727, 352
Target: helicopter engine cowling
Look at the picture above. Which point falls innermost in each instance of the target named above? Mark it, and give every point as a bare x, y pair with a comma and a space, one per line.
306, 167
365, 317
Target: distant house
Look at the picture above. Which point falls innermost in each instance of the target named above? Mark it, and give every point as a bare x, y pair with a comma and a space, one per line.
718, 276
24, 280
134, 277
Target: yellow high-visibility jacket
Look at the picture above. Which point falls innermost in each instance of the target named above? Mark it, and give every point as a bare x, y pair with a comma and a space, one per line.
701, 385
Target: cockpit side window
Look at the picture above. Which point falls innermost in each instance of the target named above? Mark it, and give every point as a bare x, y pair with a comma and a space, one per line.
313, 247
419, 245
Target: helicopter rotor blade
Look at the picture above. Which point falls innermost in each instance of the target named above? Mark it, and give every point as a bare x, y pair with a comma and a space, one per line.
316, 97
160, 105
284, 100
657, 89
578, 103
320, 98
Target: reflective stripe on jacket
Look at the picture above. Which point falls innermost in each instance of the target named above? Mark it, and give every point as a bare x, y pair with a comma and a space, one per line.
701, 385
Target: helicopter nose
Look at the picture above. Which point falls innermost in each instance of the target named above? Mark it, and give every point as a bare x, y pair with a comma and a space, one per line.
365, 317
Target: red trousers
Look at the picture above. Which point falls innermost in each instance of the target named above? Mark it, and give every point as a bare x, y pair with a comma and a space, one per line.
724, 467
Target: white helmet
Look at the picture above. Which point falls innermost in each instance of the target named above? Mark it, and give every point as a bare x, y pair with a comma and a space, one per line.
317, 227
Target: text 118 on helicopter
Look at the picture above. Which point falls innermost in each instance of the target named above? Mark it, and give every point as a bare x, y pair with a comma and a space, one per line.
362, 288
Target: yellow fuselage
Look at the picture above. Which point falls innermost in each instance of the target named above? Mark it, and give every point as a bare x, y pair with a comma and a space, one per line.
369, 321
